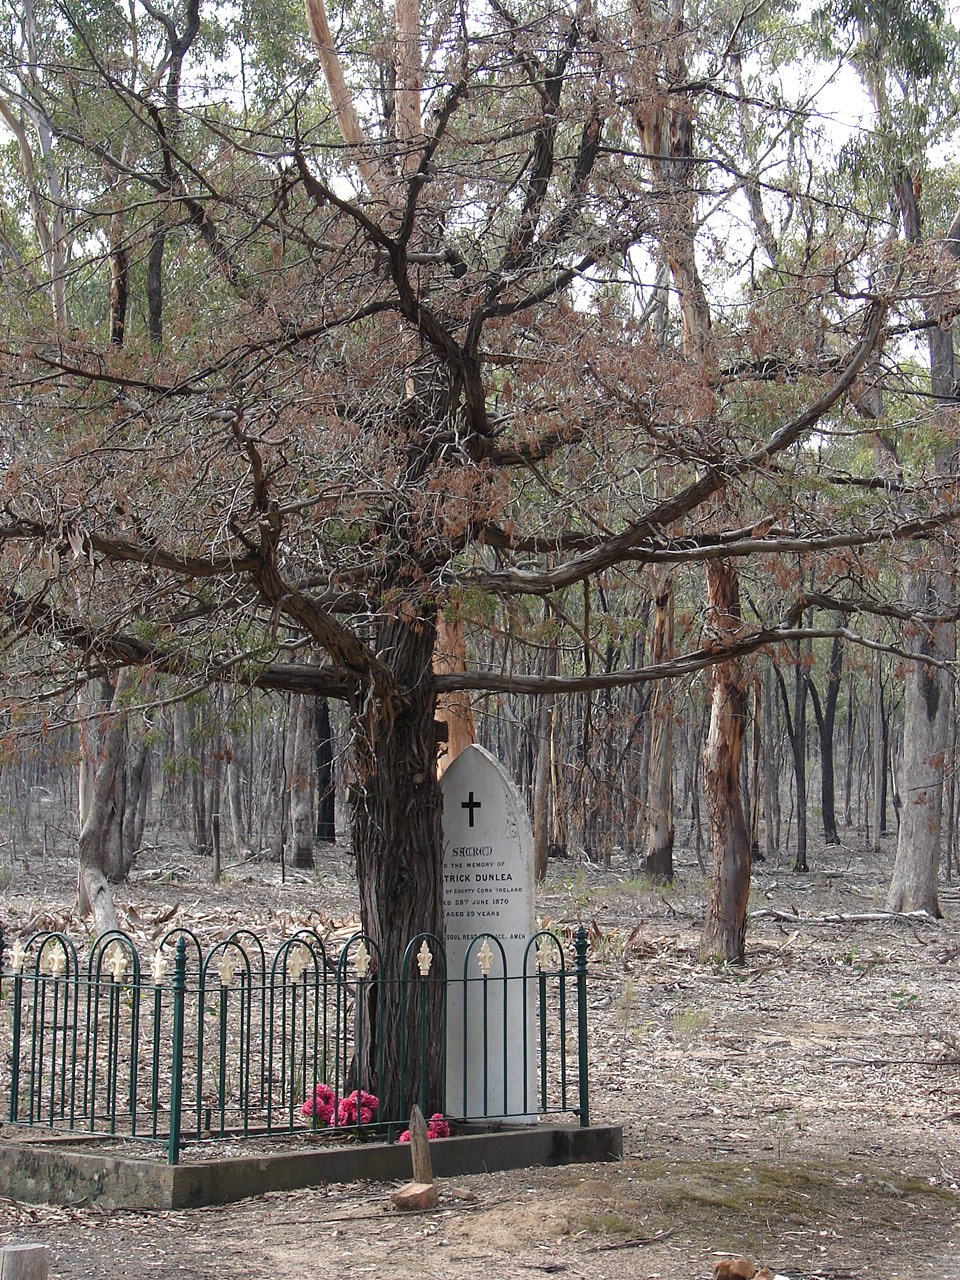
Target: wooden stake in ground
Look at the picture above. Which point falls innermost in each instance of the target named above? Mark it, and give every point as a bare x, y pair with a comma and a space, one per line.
420, 1147
422, 1192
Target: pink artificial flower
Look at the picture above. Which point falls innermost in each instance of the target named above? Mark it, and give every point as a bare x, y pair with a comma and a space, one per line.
437, 1127
320, 1106
349, 1106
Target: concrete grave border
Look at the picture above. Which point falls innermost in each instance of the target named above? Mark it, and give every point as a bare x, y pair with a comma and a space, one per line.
57, 1173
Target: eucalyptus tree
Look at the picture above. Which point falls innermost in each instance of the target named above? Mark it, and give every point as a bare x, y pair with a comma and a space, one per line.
907, 60
407, 364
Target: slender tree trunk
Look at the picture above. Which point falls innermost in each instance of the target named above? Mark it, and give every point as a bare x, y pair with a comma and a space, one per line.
755, 737
926, 714
826, 719
137, 781
724, 929
798, 744
140, 815
541, 781
885, 766
234, 803
86, 707
182, 752
660, 833
119, 281
926, 694
301, 782
96, 894
879, 767
326, 798
215, 822
796, 735
851, 735
697, 736
770, 778
951, 779
559, 829
113, 859
155, 285
201, 828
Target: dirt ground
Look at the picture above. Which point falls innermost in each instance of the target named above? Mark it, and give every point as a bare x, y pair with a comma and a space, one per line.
802, 1111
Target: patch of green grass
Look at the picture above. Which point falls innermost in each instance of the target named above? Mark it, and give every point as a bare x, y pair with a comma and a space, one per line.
686, 1024
616, 1224
749, 1206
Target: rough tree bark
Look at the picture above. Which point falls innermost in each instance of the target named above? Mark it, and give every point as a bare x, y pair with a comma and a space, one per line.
771, 780
301, 782
755, 737
95, 894
878, 757
926, 694
542, 771
395, 798
826, 715
658, 861
238, 827
797, 737
326, 799
724, 928
665, 122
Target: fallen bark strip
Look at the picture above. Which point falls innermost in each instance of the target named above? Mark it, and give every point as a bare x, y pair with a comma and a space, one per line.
840, 917
890, 1062
634, 1243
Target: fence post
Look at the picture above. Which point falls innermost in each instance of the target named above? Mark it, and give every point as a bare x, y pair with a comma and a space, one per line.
580, 948
176, 1065
15, 1020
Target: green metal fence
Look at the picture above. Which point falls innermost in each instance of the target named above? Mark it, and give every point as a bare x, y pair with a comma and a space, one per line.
228, 1041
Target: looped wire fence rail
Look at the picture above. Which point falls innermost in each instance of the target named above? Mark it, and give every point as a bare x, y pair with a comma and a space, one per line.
199, 1044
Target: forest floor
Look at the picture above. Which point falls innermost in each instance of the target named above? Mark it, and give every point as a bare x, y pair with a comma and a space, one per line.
802, 1110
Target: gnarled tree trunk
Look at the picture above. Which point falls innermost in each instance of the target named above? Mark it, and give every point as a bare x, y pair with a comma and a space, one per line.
395, 797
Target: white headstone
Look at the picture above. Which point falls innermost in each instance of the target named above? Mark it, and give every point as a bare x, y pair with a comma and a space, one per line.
488, 889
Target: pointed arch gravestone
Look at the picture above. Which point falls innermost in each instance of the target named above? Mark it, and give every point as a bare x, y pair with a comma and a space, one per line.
488, 889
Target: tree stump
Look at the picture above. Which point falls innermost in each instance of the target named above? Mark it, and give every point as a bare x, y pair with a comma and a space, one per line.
24, 1262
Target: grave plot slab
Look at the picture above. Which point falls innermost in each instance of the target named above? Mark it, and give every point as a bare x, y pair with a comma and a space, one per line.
56, 1172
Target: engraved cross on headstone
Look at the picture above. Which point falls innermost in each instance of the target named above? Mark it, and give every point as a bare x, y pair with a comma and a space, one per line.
470, 805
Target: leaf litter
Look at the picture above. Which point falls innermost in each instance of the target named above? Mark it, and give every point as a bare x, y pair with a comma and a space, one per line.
801, 1110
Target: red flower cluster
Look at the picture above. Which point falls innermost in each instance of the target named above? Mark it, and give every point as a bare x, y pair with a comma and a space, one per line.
437, 1127
320, 1106
365, 1103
